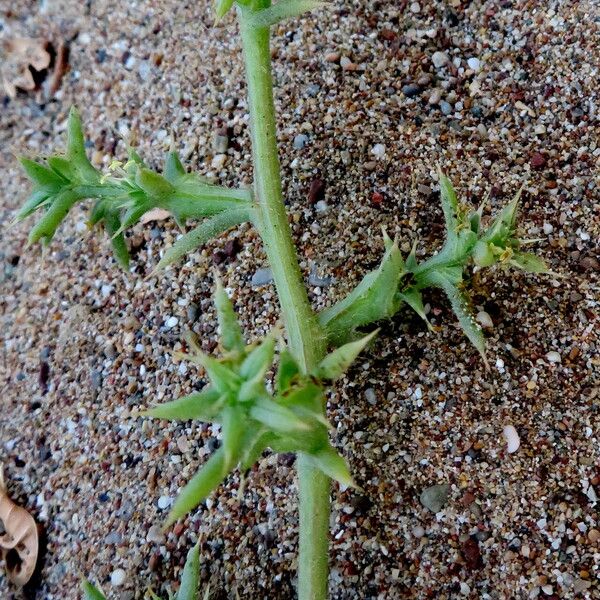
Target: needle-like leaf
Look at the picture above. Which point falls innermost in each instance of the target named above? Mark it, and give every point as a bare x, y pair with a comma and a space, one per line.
333, 465
203, 406
190, 577
336, 363
91, 592
231, 332
199, 487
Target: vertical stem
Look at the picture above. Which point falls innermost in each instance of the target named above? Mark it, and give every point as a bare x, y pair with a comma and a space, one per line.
305, 336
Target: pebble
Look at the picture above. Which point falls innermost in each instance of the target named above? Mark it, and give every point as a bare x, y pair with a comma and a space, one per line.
415, 7
218, 161
347, 64
118, 577
164, 502
171, 322
435, 497
538, 160
155, 535
511, 436
220, 142
378, 150
484, 320
261, 277
445, 107
474, 64
553, 356
418, 532
548, 228
439, 59
594, 535
411, 90
300, 141
435, 97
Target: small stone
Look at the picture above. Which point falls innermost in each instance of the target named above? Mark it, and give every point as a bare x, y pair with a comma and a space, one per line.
484, 320
118, 577
445, 107
435, 97
547, 589
538, 160
321, 206
370, 396
347, 64
218, 161
589, 263
332, 57
377, 199
594, 535
261, 277
411, 90
378, 150
300, 141
171, 322
316, 191
553, 356
439, 59
511, 436
415, 7
155, 535
474, 64
220, 141
539, 130
370, 165
183, 444
548, 228
435, 497
418, 532
164, 502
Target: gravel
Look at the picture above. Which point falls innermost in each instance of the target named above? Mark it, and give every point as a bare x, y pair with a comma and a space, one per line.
86, 465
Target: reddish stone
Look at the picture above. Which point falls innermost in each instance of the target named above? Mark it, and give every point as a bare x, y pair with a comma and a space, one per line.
317, 191
472, 554
377, 199
538, 160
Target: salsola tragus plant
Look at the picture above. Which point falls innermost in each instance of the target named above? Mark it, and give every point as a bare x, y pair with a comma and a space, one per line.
188, 586
290, 416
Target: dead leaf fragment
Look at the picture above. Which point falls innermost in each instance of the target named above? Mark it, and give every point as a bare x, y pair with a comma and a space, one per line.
156, 214
19, 545
22, 58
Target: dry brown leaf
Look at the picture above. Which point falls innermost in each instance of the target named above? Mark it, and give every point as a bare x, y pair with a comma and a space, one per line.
19, 545
20, 55
156, 214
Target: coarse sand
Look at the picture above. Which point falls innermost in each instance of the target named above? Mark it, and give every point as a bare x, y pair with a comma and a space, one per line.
371, 97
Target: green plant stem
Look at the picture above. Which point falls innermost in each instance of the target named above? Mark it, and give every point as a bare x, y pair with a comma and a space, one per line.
305, 337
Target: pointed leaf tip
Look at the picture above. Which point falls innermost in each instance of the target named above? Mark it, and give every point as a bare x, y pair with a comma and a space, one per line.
190, 578
336, 363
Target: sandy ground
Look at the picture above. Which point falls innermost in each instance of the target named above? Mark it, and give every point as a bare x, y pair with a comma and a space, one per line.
84, 343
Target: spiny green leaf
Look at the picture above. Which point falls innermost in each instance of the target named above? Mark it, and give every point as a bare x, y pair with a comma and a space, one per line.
374, 298
414, 299
259, 359
222, 8
287, 370
284, 9
203, 406
76, 149
205, 231
47, 225
233, 425
35, 201
232, 337
191, 575
449, 203
41, 175
112, 222
199, 487
462, 309
336, 363
174, 170
91, 592
153, 184
277, 417
61, 166
528, 262
221, 376
333, 465
306, 394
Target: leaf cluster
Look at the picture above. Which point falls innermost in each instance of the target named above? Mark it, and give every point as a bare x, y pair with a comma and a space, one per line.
124, 194
289, 418
382, 292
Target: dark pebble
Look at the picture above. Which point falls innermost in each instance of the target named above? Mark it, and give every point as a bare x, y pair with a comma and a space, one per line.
411, 90
538, 160
317, 191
